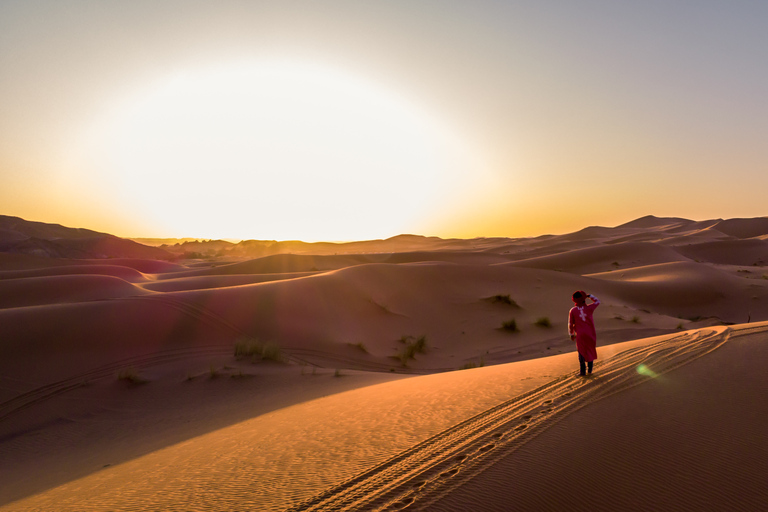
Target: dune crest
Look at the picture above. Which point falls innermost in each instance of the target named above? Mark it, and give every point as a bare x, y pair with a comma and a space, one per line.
147, 359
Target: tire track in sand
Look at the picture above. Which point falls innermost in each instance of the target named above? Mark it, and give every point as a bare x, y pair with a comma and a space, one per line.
418, 476
50, 390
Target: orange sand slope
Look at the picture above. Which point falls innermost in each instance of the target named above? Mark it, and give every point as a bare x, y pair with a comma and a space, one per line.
109, 360
661, 420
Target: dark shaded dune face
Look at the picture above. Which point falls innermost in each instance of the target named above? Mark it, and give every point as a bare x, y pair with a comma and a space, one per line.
644, 236
146, 266
36, 291
694, 237
743, 228
125, 273
527, 249
728, 252
470, 258
50, 342
220, 281
684, 290
691, 226
276, 264
656, 223
603, 258
590, 233
13, 261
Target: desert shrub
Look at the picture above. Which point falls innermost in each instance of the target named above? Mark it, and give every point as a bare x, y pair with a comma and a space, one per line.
246, 347
503, 299
472, 364
272, 352
249, 347
635, 319
543, 322
412, 347
510, 325
360, 346
420, 345
131, 376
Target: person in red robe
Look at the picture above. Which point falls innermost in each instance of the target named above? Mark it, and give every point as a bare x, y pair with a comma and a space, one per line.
581, 327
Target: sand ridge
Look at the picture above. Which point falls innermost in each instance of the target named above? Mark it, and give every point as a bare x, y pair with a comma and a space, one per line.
229, 473
417, 477
103, 359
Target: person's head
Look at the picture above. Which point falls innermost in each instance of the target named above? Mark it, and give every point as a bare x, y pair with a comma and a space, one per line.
579, 297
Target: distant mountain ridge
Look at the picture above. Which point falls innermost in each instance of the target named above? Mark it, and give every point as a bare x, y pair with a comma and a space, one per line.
19, 236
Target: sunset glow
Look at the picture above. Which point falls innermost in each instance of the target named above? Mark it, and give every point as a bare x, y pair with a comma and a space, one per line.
281, 150
354, 120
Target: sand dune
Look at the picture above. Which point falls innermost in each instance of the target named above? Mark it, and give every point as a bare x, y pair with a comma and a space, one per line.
596, 259
479, 440
35, 291
120, 388
730, 252
686, 440
126, 273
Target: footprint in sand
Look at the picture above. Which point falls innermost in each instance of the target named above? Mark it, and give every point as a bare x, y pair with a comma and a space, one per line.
497, 435
521, 427
419, 485
527, 416
547, 402
449, 473
460, 458
544, 411
487, 447
566, 394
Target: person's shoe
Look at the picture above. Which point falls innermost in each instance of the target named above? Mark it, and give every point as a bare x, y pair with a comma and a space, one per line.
582, 374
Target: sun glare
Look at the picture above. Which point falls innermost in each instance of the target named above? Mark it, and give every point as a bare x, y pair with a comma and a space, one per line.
279, 151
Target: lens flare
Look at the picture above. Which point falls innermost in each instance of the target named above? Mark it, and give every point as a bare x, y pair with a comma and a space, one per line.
644, 370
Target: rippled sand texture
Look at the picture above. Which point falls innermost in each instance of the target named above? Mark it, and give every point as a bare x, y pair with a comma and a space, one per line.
283, 457
120, 386
652, 427
675, 451
691, 439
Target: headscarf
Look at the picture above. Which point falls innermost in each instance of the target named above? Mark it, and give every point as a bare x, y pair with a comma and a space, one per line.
579, 295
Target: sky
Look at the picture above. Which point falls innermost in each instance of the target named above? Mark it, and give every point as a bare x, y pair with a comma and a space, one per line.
350, 120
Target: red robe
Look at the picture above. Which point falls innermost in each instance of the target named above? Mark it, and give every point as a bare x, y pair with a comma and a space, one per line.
581, 324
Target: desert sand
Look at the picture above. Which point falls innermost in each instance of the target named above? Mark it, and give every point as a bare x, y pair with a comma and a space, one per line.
378, 375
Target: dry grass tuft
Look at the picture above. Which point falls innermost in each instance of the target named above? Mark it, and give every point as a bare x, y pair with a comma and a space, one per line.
412, 347
510, 325
131, 376
257, 350
503, 299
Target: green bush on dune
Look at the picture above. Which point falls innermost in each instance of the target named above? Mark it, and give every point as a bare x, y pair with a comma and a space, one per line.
255, 349
412, 347
510, 325
503, 299
131, 376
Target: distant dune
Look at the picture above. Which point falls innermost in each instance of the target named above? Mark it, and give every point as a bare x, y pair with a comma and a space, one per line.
268, 375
